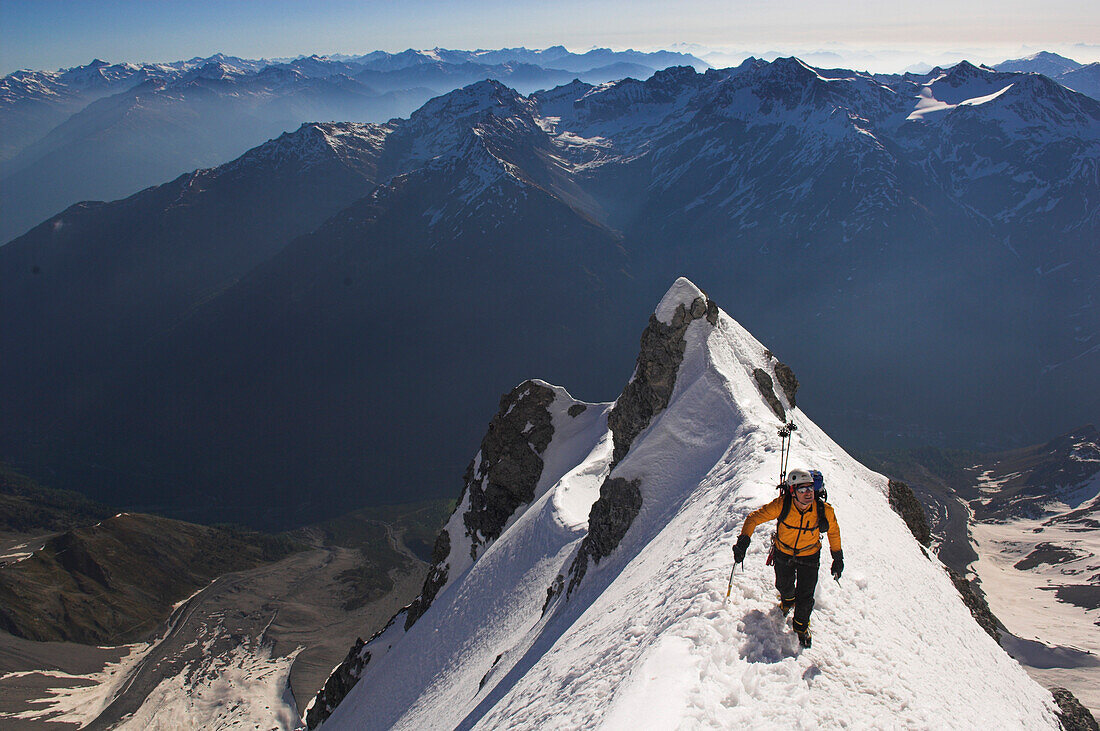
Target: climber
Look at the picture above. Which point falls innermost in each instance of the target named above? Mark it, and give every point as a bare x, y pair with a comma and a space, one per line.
796, 544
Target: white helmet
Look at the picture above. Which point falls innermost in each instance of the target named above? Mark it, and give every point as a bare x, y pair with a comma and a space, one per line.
799, 476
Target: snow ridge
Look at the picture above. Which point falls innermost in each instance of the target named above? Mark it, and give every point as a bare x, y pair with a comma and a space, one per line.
646, 637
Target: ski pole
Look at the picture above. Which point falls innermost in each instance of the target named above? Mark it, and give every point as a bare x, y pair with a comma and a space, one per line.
785, 448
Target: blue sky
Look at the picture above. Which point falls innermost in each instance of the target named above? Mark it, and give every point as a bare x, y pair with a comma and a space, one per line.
48, 34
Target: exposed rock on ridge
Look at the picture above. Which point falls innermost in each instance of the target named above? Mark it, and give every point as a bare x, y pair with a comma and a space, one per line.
647, 394
505, 474
764, 383
501, 477
1074, 715
976, 603
787, 381
650, 389
342, 680
906, 505
498, 480
433, 582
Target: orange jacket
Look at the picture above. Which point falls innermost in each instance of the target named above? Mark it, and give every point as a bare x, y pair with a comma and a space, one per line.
798, 534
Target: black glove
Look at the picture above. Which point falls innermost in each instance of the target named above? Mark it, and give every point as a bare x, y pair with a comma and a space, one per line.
838, 564
740, 548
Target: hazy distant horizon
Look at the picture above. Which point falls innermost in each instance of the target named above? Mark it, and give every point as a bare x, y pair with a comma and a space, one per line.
859, 59
52, 34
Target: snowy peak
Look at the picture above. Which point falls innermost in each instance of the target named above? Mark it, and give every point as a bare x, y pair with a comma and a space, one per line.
559, 101
963, 85
352, 143
790, 69
789, 91
215, 71
484, 97
1043, 62
483, 115
966, 81
1040, 104
645, 636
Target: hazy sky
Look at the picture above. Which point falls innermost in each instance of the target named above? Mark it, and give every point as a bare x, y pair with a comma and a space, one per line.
48, 34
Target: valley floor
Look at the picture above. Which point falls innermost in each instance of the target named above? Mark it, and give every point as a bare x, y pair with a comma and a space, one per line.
1041, 583
251, 648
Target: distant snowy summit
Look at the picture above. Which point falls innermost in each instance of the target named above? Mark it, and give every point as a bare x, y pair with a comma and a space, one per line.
580, 581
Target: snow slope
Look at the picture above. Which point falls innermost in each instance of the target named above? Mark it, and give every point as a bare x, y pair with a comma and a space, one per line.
645, 639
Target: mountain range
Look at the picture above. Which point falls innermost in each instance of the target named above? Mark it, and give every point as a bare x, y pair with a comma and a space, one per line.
1084, 78
310, 322
103, 131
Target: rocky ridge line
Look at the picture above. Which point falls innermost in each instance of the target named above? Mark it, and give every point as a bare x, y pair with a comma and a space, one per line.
500, 479
646, 395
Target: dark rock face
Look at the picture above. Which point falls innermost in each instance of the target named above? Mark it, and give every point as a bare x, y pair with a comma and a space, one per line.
647, 394
1074, 716
976, 603
611, 516
504, 478
511, 461
437, 577
905, 504
577, 409
339, 684
787, 381
662, 351
553, 590
764, 382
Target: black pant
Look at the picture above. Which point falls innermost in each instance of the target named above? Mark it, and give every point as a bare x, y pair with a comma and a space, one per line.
796, 579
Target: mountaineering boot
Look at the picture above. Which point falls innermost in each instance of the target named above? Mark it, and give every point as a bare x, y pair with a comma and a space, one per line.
803, 631
786, 605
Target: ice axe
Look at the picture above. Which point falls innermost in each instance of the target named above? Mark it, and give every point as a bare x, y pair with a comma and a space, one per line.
730, 587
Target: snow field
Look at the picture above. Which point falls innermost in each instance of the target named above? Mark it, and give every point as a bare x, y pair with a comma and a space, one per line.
80, 699
244, 689
1024, 599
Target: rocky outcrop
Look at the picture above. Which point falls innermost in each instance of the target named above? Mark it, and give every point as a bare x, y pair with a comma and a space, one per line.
787, 381
650, 389
435, 580
905, 504
1074, 716
976, 603
764, 383
502, 477
647, 394
611, 516
509, 465
339, 684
